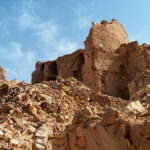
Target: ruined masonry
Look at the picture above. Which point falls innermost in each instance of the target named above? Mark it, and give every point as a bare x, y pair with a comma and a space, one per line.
2, 75
109, 63
93, 99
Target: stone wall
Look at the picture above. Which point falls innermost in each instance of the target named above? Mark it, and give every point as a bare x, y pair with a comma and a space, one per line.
71, 65
129, 71
65, 66
100, 46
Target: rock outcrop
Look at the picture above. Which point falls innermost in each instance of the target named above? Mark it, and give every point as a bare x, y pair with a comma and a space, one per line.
92, 99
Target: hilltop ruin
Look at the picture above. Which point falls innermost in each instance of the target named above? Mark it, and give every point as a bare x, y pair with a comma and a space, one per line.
97, 98
109, 63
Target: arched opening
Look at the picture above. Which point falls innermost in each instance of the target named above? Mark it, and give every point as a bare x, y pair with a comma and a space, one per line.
52, 71
42, 67
122, 70
52, 68
77, 73
123, 88
81, 58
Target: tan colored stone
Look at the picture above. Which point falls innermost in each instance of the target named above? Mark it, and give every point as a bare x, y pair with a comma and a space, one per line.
81, 142
2, 75
79, 132
38, 147
59, 142
32, 109
1, 134
31, 129
59, 135
14, 142
41, 140
60, 119
110, 117
61, 112
135, 106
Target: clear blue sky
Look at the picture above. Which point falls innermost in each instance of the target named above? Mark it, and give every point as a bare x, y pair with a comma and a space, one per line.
32, 30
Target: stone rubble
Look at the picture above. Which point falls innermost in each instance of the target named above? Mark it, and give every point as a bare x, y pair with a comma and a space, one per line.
70, 117
63, 112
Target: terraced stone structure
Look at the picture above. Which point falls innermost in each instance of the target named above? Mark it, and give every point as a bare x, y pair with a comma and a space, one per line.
109, 63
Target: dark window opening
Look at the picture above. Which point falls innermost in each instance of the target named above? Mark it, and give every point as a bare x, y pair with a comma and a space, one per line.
81, 58
125, 93
122, 70
123, 83
42, 67
52, 71
52, 68
75, 74
50, 77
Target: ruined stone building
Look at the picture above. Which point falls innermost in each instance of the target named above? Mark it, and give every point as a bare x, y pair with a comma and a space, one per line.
64, 114
108, 63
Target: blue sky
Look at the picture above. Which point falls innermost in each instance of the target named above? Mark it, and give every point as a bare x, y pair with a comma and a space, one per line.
41, 30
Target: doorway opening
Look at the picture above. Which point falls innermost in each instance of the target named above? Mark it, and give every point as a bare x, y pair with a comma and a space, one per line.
77, 73
52, 71
123, 88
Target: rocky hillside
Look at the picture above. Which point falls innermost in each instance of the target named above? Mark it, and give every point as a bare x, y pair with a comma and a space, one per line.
62, 113
66, 115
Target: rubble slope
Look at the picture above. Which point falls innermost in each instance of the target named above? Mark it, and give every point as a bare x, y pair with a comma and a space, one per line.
66, 115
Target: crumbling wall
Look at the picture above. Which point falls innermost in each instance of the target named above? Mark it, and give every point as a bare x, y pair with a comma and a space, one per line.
67, 115
100, 46
98, 65
71, 65
116, 76
38, 74
129, 71
65, 66
109, 63
137, 65
2, 75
